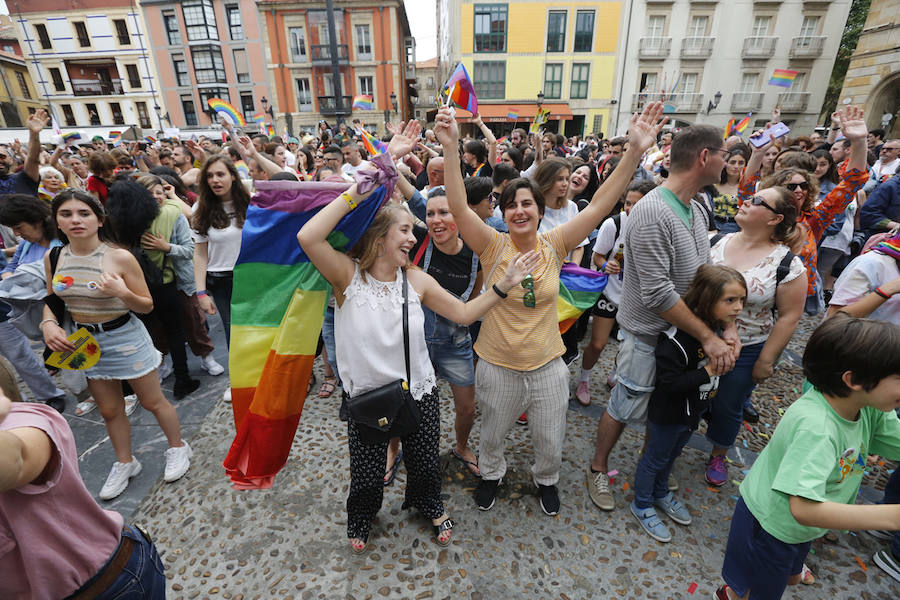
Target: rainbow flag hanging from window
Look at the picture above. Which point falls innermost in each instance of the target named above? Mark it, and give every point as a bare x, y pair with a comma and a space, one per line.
278, 305
461, 90
363, 102
783, 78
743, 124
579, 290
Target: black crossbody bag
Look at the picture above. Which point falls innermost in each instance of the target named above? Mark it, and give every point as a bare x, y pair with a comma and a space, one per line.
388, 411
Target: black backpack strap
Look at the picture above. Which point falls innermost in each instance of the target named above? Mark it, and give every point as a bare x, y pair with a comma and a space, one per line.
715, 239
784, 267
54, 260
617, 221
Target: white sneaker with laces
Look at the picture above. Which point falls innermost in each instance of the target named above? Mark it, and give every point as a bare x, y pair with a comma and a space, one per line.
227, 395
210, 365
118, 478
164, 370
178, 460
131, 403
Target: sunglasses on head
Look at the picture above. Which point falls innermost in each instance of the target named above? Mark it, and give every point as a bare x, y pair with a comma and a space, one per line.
760, 201
803, 185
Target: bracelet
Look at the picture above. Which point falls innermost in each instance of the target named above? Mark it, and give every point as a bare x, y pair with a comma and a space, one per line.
882, 294
498, 292
201, 293
349, 200
603, 266
41, 324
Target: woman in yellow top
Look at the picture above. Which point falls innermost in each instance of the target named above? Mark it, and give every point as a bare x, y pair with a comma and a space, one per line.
519, 344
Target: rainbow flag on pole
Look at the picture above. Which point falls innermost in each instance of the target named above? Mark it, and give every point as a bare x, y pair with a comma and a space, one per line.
743, 124
363, 102
461, 90
512, 115
783, 78
579, 289
277, 311
729, 126
71, 136
373, 146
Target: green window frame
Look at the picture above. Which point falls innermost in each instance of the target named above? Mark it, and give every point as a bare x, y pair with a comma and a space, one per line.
581, 73
584, 31
553, 79
489, 78
556, 31
490, 26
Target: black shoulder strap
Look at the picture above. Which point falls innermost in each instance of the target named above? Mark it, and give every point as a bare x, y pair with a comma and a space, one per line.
784, 267
715, 239
617, 221
406, 325
54, 260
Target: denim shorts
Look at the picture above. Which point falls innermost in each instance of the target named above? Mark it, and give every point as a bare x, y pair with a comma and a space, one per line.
450, 350
142, 578
125, 353
757, 561
635, 379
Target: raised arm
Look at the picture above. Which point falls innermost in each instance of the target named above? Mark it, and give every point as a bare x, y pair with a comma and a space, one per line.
36, 122
475, 232
489, 138
248, 152
336, 266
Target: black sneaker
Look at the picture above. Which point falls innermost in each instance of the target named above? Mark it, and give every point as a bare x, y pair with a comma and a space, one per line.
750, 414
549, 499
58, 402
185, 386
569, 357
486, 493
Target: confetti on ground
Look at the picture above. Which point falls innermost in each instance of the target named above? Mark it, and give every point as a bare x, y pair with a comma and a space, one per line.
736, 482
712, 489
866, 472
890, 471
781, 411
712, 535
776, 398
746, 471
613, 473
675, 554
880, 463
625, 486
735, 498
763, 435
745, 444
862, 565
748, 427
688, 490
766, 424
692, 588
728, 460
812, 550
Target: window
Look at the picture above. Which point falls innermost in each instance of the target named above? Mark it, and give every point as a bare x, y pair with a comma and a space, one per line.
490, 28
698, 26
749, 82
241, 65
122, 32
648, 83
23, 85
181, 70
56, 76
235, 25
200, 20
366, 87
118, 117
556, 31
304, 96
93, 115
688, 83
208, 64
171, 23
247, 106
656, 26
553, 75
580, 74
82, 34
190, 113
68, 115
363, 43
799, 84
134, 78
298, 44
761, 26
207, 93
490, 78
143, 115
41, 31
584, 30
809, 27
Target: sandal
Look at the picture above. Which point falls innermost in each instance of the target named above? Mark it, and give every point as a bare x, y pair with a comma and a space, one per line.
471, 466
392, 472
312, 382
328, 387
444, 528
806, 576
357, 545
84, 407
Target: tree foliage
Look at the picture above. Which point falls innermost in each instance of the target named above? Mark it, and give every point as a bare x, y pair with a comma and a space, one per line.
856, 20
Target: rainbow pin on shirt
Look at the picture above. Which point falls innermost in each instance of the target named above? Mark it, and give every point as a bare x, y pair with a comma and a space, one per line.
62, 283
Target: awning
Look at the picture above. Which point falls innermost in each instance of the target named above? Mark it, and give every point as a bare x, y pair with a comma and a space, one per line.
494, 113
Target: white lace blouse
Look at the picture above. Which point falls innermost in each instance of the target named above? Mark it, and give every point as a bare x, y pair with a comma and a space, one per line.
368, 333
755, 322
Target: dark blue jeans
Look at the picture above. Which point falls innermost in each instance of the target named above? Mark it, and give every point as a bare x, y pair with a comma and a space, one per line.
220, 285
143, 577
892, 496
651, 479
727, 410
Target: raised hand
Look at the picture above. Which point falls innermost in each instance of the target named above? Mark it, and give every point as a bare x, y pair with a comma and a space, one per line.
520, 266
403, 141
38, 120
644, 128
445, 128
853, 124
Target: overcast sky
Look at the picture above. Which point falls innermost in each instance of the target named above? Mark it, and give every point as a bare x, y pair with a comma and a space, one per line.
421, 15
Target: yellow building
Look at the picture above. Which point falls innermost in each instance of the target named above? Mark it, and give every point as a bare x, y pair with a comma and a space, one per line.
561, 54
17, 93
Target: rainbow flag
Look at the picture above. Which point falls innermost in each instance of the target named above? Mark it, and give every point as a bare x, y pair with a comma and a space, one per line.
783, 78
242, 169
579, 289
373, 146
270, 130
71, 136
224, 108
277, 311
512, 115
461, 90
150, 139
743, 124
729, 126
363, 102
259, 117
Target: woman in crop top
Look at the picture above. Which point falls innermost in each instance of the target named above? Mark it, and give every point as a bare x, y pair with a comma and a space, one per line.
100, 285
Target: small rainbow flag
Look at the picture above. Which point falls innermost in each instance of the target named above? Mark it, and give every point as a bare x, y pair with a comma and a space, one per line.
461, 90
372, 145
224, 108
783, 78
363, 102
512, 115
501, 141
270, 130
728, 127
743, 124
71, 136
259, 117
150, 139
242, 169
113, 134
579, 289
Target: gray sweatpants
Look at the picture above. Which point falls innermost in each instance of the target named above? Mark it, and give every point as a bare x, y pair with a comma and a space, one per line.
17, 350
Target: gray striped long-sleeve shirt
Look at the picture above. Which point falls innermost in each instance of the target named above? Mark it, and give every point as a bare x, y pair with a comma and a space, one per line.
661, 257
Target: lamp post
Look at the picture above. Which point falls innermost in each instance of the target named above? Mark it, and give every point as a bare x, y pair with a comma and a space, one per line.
267, 109
714, 103
394, 101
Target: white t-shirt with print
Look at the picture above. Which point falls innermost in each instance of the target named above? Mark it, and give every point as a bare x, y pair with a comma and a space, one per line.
865, 273
607, 239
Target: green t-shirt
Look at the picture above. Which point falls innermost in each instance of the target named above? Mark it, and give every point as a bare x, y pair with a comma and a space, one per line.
815, 454
682, 210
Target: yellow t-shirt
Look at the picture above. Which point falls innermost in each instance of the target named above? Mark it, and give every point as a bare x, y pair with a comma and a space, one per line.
513, 335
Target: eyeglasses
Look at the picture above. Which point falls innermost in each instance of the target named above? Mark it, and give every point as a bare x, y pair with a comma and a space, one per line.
760, 201
723, 152
895, 148
803, 185
528, 298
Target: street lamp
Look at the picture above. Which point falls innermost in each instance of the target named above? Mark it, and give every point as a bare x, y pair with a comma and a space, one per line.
394, 101
714, 103
266, 108
540, 98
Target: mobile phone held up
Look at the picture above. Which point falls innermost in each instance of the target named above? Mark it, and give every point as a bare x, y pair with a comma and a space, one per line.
774, 132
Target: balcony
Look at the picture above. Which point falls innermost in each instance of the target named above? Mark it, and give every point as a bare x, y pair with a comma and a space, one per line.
807, 47
679, 103
328, 105
654, 47
96, 87
793, 101
697, 47
746, 101
321, 54
759, 47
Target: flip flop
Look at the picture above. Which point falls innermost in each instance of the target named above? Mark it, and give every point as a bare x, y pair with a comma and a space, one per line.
83, 408
471, 466
327, 388
392, 472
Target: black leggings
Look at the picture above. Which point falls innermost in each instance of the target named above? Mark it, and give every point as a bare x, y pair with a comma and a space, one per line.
167, 311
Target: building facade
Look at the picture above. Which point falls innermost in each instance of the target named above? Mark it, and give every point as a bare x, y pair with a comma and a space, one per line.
207, 49
18, 97
873, 77
91, 61
559, 54
712, 60
315, 67
427, 85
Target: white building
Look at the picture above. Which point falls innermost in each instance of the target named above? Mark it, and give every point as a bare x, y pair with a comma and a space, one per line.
724, 53
93, 64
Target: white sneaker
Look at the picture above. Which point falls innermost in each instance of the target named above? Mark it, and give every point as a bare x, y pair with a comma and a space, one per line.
210, 365
131, 403
227, 395
178, 460
118, 478
164, 370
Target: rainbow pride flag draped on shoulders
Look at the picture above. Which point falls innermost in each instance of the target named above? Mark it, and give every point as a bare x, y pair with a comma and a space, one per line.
278, 306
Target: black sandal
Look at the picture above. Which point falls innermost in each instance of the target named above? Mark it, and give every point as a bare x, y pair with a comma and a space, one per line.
445, 525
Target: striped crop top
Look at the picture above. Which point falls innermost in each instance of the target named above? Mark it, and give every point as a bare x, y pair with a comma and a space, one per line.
76, 282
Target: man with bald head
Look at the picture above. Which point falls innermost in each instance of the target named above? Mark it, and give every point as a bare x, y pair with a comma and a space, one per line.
435, 172
732, 141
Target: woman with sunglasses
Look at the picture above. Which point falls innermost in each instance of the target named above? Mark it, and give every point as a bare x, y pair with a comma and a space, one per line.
767, 225
519, 346
813, 219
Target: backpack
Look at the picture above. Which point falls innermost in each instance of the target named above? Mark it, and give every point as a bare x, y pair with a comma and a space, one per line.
784, 267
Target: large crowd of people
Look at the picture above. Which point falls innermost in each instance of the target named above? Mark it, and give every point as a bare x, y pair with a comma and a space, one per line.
714, 247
